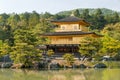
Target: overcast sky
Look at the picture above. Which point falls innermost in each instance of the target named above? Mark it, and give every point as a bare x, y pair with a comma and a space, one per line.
54, 6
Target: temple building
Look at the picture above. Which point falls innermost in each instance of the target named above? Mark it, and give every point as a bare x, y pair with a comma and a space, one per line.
68, 33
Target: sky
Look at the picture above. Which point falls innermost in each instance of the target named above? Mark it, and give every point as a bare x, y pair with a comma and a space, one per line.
54, 6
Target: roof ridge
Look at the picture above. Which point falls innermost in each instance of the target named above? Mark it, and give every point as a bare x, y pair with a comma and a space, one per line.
69, 19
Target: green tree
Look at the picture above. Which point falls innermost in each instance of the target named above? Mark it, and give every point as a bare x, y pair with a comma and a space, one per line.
8, 35
76, 13
115, 18
6, 16
13, 21
89, 47
47, 15
111, 46
4, 49
3, 19
25, 54
43, 27
24, 19
69, 58
85, 15
98, 20
111, 40
108, 19
34, 19
57, 17
112, 30
24, 50
50, 52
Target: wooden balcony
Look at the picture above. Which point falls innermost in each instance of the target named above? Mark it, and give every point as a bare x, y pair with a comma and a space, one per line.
61, 30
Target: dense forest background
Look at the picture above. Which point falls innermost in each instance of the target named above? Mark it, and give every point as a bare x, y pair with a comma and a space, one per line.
31, 21
20, 33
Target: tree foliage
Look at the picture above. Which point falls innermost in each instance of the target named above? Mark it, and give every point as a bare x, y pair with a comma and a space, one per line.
76, 13
111, 40
69, 58
111, 46
24, 50
25, 54
22, 31
99, 20
89, 47
50, 52
4, 49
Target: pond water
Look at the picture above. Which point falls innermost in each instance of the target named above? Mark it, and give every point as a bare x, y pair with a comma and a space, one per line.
77, 74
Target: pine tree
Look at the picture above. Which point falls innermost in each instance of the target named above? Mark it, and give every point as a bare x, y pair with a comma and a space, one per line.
99, 21
76, 13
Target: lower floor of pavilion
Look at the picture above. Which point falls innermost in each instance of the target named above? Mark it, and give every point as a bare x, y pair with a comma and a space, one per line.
61, 49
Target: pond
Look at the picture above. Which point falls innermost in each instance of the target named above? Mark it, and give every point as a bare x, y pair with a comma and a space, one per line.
69, 74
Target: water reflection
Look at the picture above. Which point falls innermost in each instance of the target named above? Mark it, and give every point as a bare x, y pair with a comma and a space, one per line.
87, 74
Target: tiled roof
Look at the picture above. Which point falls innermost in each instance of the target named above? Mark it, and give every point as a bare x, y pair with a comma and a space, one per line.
68, 33
69, 19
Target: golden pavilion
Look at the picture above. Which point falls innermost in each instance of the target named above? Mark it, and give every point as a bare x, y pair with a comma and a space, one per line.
68, 33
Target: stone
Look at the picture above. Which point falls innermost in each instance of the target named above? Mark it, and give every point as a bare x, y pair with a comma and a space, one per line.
54, 66
6, 65
100, 65
82, 66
